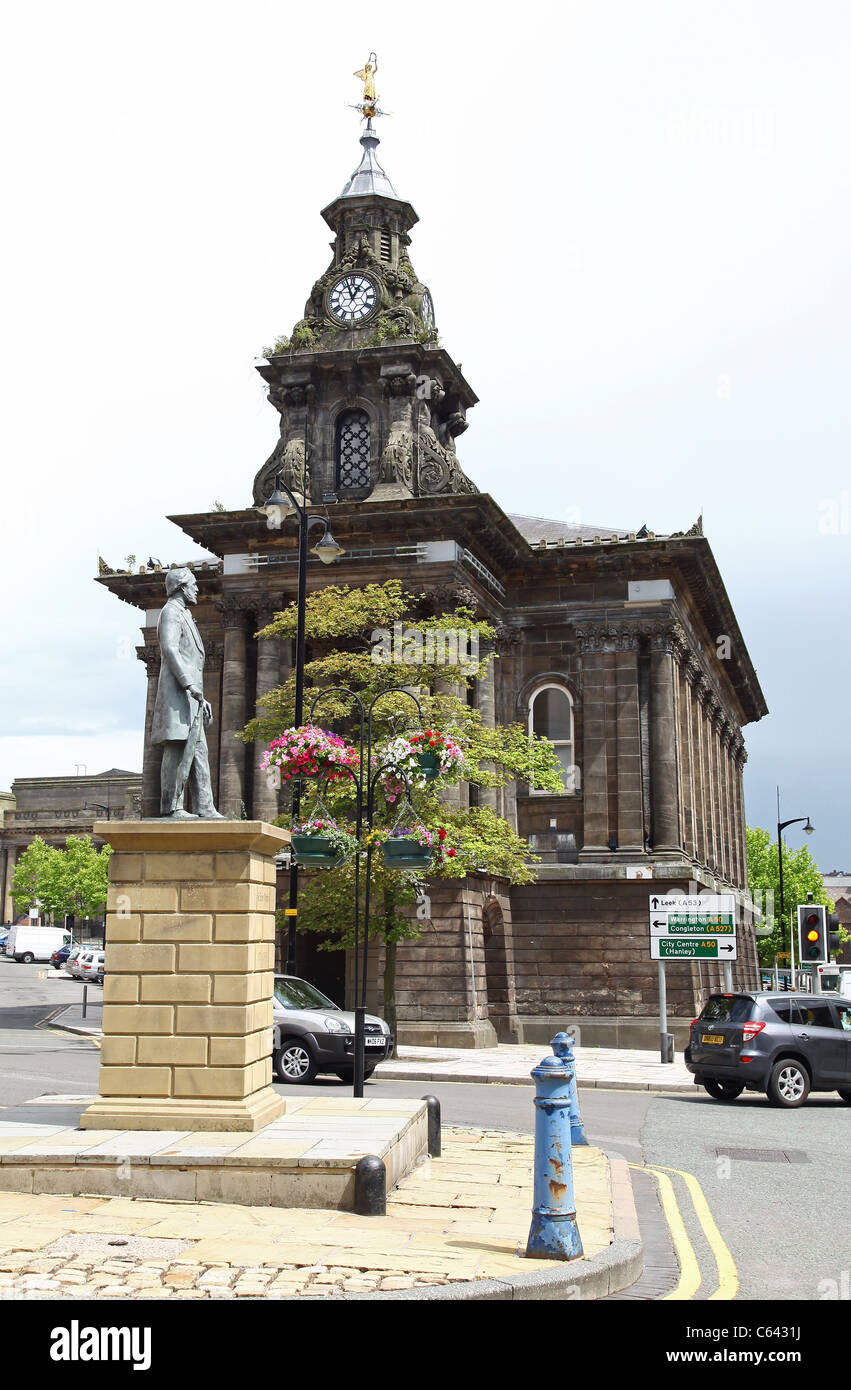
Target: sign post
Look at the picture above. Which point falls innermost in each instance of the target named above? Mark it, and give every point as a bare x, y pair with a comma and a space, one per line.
700, 927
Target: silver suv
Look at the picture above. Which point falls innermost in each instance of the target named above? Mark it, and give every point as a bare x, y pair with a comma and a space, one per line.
312, 1034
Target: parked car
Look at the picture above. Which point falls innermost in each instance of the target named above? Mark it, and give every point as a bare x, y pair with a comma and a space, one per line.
312, 1034
784, 1045
58, 959
89, 963
73, 959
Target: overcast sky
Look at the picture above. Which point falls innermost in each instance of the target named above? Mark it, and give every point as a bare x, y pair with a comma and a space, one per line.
635, 226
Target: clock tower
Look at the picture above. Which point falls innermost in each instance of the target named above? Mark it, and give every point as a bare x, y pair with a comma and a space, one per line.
370, 403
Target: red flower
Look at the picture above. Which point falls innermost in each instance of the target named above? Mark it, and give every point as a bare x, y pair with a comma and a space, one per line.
451, 853
442, 834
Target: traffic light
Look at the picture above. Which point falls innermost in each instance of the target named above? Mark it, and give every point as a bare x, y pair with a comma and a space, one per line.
812, 934
833, 942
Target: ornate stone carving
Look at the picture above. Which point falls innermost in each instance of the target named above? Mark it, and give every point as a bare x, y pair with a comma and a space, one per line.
151, 658
234, 607
439, 469
445, 598
401, 384
397, 459
607, 637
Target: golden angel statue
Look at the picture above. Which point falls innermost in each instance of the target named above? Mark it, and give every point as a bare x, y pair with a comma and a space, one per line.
367, 76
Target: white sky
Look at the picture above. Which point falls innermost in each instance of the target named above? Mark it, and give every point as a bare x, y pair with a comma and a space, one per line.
635, 228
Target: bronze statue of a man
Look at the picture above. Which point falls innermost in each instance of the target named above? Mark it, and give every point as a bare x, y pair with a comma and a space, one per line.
181, 714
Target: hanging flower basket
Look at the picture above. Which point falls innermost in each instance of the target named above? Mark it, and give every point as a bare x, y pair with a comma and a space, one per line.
322, 844
429, 764
420, 757
308, 752
408, 848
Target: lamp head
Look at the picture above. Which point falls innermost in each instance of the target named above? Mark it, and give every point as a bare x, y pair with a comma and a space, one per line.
328, 550
808, 829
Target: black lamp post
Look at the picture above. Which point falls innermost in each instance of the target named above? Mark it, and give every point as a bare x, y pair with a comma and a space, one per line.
278, 507
96, 805
781, 826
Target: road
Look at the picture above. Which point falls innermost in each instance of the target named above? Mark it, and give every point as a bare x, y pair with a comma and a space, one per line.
781, 1213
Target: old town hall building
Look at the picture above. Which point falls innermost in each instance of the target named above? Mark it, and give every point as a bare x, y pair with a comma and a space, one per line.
621, 647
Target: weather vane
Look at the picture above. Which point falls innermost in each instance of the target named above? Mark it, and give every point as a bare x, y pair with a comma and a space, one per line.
369, 106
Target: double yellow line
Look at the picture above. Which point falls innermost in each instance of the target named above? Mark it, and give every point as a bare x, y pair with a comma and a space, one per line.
690, 1278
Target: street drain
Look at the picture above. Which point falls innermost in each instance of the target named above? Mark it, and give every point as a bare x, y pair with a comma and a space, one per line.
764, 1155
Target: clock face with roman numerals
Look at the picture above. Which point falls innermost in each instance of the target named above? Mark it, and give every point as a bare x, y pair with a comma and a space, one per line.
352, 298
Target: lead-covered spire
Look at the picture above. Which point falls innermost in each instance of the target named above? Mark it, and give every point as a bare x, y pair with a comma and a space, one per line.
369, 177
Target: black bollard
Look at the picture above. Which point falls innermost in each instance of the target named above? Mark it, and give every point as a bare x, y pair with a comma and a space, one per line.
433, 1106
370, 1187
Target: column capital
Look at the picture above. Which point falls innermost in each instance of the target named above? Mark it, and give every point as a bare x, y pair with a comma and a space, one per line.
667, 635
233, 608
593, 638
152, 658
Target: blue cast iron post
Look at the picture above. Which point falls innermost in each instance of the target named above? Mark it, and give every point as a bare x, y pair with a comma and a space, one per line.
562, 1046
554, 1234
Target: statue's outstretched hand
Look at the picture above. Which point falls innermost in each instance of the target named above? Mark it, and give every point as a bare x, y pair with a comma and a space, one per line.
208, 714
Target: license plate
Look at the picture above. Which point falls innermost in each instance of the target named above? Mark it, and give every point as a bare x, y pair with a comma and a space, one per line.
711, 1038
374, 1042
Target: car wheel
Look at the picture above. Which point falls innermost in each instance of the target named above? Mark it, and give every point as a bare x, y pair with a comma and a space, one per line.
723, 1090
789, 1084
295, 1063
844, 1095
27, 958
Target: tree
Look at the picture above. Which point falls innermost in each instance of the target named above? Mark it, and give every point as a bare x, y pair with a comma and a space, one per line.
84, 876
800, 877
73, 879
351, 633
36, 880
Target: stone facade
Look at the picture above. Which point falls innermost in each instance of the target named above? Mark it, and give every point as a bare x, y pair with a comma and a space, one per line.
52, 807
632, 631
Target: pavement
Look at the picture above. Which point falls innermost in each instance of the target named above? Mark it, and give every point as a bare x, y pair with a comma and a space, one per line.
455, 1228
610, 1068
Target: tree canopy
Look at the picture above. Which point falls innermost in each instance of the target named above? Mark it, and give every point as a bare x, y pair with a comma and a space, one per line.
343, 629
73, 879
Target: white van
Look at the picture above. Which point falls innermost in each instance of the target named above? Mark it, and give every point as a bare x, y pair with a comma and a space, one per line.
27, 944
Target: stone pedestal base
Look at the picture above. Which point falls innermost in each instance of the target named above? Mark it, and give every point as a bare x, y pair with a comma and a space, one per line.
225, 1116
445, 1033
190, 940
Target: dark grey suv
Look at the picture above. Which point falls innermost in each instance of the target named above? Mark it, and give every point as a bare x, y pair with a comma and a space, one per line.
785, 1045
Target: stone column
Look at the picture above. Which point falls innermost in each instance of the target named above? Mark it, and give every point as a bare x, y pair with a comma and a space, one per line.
213, 657
9, 907
595, 788
686, 771
268, 678
187, 1018
715, 721
232, 752
663, 744
729, 822
486, 695
628, 737
151, 753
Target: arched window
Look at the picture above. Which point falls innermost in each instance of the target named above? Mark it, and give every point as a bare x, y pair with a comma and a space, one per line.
551, 717
353, 450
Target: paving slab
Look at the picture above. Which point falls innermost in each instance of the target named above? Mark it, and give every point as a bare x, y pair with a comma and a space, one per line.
430, 1249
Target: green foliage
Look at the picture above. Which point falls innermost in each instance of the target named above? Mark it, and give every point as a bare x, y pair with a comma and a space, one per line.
800, 877
279, 347
218, 506
304, 336
36, 879
340, 625
73, 879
